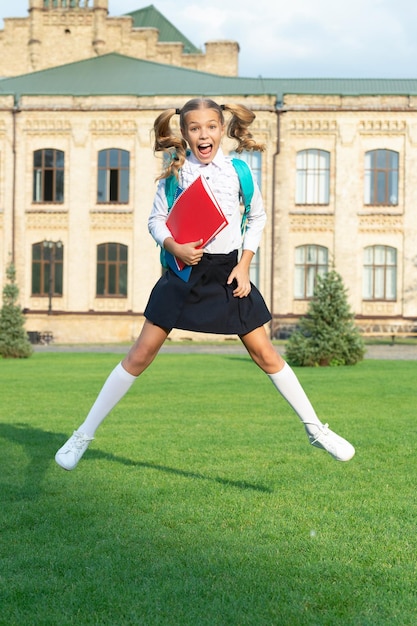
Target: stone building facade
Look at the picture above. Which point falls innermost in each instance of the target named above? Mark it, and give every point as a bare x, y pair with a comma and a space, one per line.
77, 174
57, 32
81, 222
371, 241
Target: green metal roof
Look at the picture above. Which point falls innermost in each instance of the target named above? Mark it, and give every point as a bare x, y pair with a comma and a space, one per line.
150, 17
115, 74
342, 86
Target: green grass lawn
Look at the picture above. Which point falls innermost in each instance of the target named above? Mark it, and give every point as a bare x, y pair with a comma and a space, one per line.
201, 502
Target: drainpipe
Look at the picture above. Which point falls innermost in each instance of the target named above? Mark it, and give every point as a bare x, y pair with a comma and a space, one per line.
273, 220
15, 111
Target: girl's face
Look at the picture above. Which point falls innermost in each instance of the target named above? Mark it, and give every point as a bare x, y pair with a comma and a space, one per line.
203, 132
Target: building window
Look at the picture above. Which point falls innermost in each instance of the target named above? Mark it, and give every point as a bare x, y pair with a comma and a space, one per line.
113, 176
310, 261
111, 269
380, 273
47, 268
313, 177
48, 176
381, 177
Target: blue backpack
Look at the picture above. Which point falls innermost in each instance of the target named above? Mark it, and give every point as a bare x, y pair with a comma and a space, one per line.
246, 193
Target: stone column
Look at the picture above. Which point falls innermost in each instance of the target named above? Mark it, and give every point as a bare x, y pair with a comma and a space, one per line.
100, 14
35, 29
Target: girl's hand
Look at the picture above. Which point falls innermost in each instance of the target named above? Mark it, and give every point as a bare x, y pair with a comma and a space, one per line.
240, 273
241, 276
188, 253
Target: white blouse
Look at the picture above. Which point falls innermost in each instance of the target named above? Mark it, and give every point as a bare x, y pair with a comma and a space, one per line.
224, 182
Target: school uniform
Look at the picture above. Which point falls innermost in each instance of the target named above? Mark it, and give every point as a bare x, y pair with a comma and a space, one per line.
206, 303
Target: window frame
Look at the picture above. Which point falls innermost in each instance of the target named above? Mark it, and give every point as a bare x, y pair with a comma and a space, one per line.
379, 278
48, 178
112, 269
41, 268
113, 176
305, 272
378, 174
312, 185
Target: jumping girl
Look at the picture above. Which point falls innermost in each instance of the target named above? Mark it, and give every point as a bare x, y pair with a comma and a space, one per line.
218, 297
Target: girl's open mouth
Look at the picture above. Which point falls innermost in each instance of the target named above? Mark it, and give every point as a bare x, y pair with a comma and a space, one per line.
205, 149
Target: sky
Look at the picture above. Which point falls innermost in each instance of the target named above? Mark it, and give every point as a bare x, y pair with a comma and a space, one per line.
298, 39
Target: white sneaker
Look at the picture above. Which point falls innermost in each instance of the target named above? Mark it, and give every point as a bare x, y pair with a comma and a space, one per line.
71, 452
323, 437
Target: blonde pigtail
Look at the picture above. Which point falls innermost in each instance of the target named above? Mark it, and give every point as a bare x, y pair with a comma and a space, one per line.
238, 127
169, 143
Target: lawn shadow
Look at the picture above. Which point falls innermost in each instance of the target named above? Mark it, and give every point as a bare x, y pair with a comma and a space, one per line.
238, 484
40, 447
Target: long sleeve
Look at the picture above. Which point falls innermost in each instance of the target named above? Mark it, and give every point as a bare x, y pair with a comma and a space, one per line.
158, 215
256, 222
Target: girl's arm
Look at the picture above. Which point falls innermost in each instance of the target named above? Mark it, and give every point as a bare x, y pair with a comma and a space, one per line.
240, 274
256, 222
158, 216
254, 228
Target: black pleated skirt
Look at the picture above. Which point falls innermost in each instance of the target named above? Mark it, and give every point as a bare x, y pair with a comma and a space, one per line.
206, 303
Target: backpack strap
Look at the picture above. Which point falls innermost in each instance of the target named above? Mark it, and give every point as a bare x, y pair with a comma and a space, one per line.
246, 188
171, 185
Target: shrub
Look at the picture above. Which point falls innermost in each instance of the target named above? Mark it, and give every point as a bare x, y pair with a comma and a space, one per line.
327, 335
13, 338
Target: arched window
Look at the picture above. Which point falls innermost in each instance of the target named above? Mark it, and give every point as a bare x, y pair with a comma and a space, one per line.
381, 177
48, 175
111, 269
310, 261
313, 177
380, 273
113, 176
47, 268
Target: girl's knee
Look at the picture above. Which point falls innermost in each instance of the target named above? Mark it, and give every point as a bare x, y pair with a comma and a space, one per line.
271, 363
267, 358
138, 359
262, 351
145, 348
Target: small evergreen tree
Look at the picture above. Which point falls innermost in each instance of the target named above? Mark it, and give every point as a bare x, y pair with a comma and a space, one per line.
327, 335
13, 338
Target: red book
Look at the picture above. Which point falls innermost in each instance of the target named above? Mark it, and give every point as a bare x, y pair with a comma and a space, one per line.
195, 215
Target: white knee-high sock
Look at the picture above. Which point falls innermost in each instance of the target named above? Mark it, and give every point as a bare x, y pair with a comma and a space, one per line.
116, 386
290, 388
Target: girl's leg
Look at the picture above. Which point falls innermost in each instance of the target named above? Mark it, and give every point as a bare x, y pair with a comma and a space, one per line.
139, 357
286, 382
